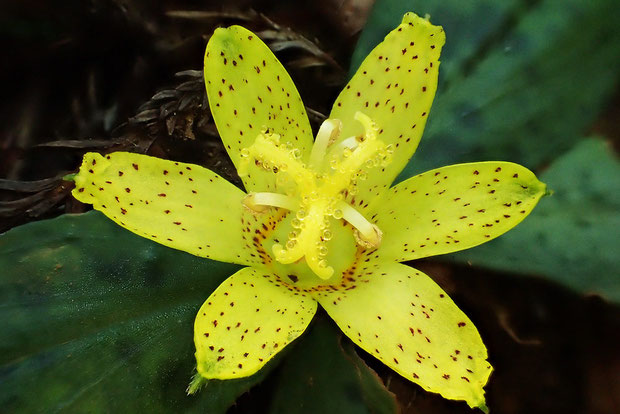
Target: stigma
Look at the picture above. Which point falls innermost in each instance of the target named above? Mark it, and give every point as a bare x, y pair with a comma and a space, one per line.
314, 189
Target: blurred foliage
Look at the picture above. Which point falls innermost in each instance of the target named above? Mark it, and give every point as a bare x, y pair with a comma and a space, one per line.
89, 327
571, 237
324, 375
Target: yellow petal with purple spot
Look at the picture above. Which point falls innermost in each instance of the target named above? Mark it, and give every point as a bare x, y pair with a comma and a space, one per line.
183, 206
249, 91
454, 208
400, 316
246, 321
395, 87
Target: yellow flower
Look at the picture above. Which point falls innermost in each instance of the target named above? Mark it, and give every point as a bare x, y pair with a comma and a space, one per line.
319, 222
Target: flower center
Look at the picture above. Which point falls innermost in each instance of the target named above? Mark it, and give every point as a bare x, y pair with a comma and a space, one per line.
316, 191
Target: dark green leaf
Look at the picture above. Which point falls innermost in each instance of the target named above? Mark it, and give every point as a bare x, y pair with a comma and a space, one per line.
325, 376
571, 237
97, 319
520, 80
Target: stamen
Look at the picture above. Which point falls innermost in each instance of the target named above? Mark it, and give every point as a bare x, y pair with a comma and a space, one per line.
369, 234
346, 144
328, 132
260, 201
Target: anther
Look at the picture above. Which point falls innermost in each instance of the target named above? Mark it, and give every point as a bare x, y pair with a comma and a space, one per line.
366, 234
259, 202
351, 143
328, 133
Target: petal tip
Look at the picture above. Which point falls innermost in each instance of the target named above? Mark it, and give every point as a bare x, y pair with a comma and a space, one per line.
196, 384
412, 19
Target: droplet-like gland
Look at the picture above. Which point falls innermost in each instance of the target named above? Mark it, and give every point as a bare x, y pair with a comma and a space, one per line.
319, 189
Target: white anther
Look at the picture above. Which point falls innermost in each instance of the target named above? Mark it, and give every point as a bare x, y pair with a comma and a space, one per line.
366, 233
371, 241
328, 132
259, 202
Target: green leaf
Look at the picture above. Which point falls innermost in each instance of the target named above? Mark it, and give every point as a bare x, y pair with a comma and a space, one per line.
96, 319
571, 237
519, 81
327, 376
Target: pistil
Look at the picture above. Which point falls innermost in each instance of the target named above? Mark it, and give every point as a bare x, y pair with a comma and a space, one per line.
272, 156
319, 193
309, 242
